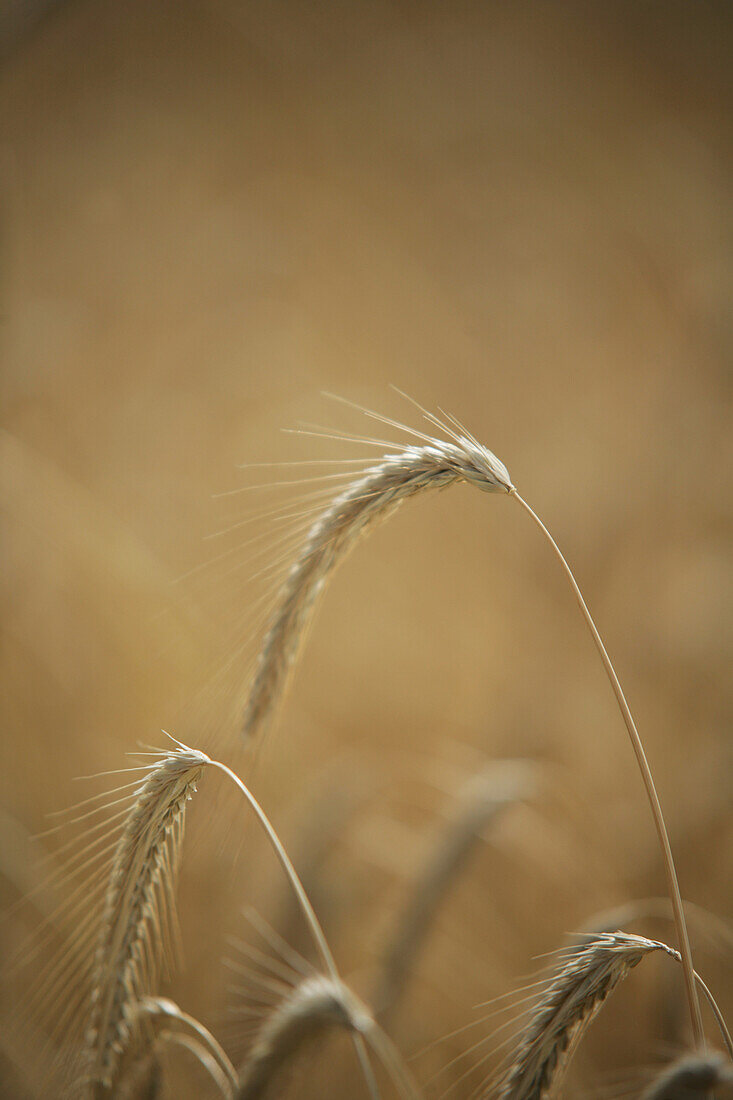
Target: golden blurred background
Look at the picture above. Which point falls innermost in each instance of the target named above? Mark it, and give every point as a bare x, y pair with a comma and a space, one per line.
212, 212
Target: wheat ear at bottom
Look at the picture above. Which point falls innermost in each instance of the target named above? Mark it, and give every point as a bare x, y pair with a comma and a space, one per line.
669, 866
586, 975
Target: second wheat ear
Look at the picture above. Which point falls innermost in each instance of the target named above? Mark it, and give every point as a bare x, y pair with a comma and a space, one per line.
401, 474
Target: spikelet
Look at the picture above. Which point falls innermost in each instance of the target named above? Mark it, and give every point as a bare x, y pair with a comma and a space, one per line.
370, 498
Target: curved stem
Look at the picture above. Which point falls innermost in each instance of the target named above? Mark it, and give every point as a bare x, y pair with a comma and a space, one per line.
312, 921
203, 1056
719, 1018
164, 1017
674, 889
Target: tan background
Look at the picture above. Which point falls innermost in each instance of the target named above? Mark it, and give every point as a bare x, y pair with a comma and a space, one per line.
214, 211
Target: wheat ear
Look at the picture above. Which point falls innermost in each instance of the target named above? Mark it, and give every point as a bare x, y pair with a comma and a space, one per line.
586, 976
370, 498
139, 898
480, 801
580, 986
315, 1006
691, 1078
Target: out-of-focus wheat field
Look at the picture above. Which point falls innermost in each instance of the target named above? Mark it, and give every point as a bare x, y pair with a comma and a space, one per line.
521, 213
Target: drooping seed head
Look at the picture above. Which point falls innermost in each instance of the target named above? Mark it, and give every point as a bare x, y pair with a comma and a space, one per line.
139, 895
315, 1007
472, 462
581, 984
371, 497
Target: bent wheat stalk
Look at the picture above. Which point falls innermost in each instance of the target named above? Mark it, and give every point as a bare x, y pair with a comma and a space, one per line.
646, 774
373, 496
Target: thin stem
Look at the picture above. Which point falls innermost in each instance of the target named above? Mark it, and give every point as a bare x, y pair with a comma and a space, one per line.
309, 913
167, 1018
366, 1065
719, 1018
674, 889
204, 1057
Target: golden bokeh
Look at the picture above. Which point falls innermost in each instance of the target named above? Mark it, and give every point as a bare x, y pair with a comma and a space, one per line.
519, 213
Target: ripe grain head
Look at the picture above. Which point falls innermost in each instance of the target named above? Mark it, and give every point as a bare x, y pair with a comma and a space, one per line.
315, 1006
370, 498
139, 904
567, 1005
